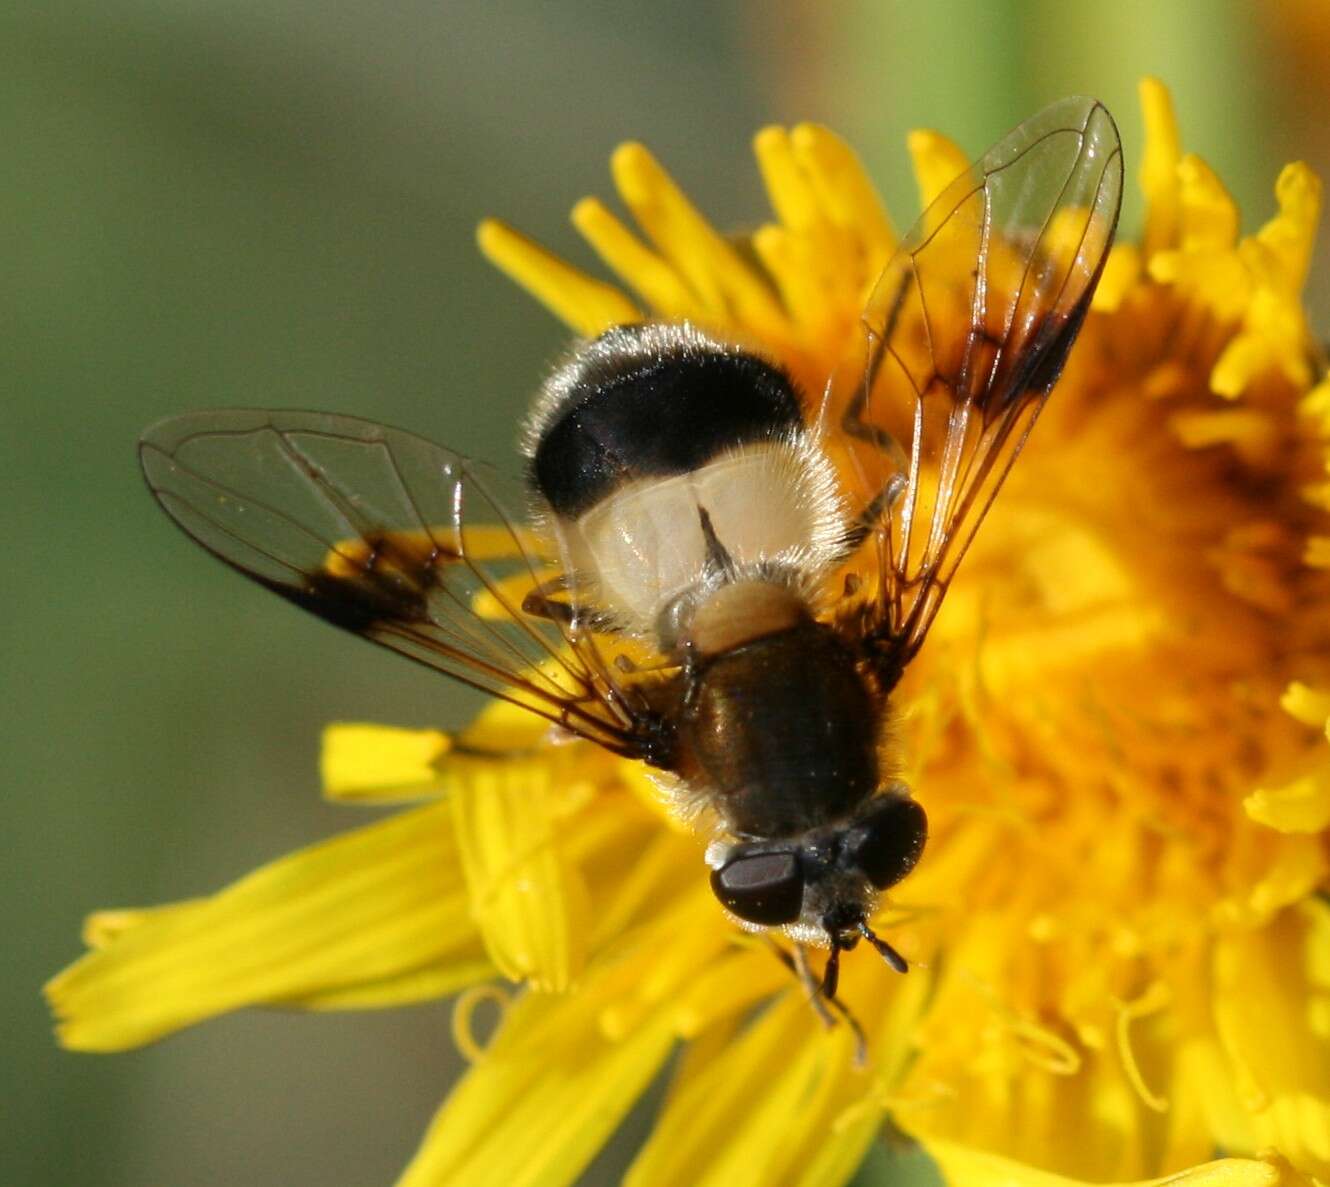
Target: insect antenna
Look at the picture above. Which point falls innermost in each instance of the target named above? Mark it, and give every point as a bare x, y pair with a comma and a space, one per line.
884, 950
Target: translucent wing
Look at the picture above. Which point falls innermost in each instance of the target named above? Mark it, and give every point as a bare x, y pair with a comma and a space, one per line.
395, 539
962, 340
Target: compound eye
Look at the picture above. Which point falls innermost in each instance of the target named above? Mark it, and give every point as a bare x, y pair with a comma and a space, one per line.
884, 845
765, 888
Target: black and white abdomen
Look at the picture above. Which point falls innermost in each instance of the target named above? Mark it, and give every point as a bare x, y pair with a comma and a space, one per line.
670, 462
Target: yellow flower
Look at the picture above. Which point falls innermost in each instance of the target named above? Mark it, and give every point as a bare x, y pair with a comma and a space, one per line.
1119, 934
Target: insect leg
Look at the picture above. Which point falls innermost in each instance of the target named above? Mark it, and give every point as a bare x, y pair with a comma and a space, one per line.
874, 510
540, 604
799, 967
803, 970
854, 425
852, 421
831, 972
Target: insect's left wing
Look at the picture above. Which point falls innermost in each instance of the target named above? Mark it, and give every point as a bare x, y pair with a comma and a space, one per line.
963, 338
397, 540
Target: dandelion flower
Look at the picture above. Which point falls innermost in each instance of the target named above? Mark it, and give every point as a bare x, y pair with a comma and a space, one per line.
1119, 932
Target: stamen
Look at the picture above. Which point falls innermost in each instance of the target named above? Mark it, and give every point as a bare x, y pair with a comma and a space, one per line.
1154, 999
1044, 1048
1041, 1046
464, 1009
932, 1094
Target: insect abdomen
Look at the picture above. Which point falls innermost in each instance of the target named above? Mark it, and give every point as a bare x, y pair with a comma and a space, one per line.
661, 452
650, 401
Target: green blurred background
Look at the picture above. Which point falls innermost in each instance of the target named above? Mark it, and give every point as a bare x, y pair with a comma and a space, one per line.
211, 202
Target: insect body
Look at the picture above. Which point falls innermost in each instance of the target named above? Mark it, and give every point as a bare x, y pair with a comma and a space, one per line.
699, 511
723, 576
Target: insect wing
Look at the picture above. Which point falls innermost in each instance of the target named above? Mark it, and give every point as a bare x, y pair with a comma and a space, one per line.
963, 338
390, 537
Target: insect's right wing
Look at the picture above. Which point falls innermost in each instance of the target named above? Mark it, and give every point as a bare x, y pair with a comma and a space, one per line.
395, 539
962, 341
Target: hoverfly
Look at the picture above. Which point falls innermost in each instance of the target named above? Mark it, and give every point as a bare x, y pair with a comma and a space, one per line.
720, 574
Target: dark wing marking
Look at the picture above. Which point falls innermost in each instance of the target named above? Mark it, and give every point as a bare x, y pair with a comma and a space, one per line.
962, 340
395, 539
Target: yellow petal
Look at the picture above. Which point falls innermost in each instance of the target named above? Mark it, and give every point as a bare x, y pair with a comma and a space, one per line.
815, 1113
379, 763
588, 306
695, 1140
792, 196
528, 899
689, 938
666, 292
1316, 404
1243, 359
978, 1168
401, 989
1267, 982
368, 906
1251, 433
1217, 280
846, 192
725, 285
1121, 273
1209, 215
938, 161
1311, 706
543, 1099
644, 877
102, 928
727, 987
1159, 167
1203, 1085
816, 261
1317, 493
1299, 806
1291, 234
503, 728
1295, 867
794, 268
1316, 554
